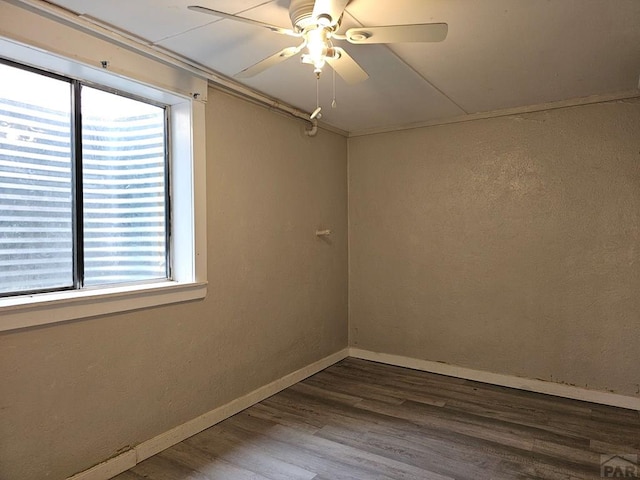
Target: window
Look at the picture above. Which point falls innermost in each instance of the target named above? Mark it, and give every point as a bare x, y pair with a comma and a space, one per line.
85, 262
83, 185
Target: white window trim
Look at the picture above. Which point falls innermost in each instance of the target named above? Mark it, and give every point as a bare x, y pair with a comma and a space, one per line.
188, 166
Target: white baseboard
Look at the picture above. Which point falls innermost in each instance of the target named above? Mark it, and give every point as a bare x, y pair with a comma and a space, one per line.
110, 468
538, 386
130, 458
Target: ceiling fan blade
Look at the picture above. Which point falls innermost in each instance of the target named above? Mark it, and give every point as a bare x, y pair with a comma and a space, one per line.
347, 67
268, 62
329, 8
427, 32
216, 13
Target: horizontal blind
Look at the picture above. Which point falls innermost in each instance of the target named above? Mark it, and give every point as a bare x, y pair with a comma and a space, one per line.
35, 188
124, 185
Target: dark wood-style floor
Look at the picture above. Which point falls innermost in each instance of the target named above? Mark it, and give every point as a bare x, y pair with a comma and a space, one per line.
363, 420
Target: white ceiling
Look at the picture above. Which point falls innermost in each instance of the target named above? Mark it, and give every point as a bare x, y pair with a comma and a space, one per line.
498, 53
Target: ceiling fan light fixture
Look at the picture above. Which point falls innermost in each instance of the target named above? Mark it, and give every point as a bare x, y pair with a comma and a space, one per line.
318, 46
317, 63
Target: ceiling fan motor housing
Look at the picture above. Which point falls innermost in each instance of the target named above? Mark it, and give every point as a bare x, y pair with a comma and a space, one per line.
301, 13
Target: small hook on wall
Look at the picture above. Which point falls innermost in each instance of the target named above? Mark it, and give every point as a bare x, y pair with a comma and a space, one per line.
323, 233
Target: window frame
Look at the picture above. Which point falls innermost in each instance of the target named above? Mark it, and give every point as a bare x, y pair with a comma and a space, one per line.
186, 145
77, 212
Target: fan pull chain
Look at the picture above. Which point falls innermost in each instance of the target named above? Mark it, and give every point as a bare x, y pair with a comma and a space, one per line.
333, 102
316, 113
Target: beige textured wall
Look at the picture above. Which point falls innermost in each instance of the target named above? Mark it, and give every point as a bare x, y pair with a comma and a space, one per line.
72, 395
510, 245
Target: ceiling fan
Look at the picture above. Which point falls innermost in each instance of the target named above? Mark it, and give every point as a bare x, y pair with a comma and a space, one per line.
317, 23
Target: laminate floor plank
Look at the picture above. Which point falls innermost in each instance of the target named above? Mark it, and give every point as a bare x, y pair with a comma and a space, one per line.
287, 419
277, 447
129, 475
385, 425
359, 461
372, 391
214, 468
243, 453
361, 420
434, 457
447, 422
456, 388
159, 467
337, 384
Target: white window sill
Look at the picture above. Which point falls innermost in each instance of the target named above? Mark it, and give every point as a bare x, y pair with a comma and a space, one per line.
46, 308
